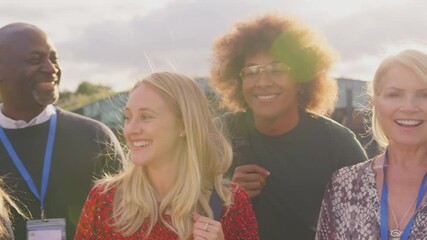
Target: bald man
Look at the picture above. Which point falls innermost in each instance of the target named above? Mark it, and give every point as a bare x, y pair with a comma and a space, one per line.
48, 156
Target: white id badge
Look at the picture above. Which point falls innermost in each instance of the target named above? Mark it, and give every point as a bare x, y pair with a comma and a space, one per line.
50, 229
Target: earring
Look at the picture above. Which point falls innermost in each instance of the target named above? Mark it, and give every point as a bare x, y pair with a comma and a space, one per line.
182, 134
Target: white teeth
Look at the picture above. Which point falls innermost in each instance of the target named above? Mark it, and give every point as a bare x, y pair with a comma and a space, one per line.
46, 84
140, 143
409, 122
266, 97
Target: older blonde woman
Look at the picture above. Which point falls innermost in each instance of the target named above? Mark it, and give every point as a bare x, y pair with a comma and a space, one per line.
385, 197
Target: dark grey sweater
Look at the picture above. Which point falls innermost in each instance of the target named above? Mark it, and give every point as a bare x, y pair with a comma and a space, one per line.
82, 148
301, 163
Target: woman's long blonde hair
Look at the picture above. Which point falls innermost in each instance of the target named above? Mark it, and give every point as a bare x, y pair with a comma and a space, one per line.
6, 202
205, 157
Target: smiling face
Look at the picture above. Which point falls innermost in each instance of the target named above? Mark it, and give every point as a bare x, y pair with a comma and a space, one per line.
401, 106
29, 70
151, 129
271, 97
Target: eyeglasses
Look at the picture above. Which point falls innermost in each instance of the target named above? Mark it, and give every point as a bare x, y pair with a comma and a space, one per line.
275, 71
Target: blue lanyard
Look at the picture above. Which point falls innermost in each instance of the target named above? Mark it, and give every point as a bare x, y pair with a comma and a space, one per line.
384, 205
46, 164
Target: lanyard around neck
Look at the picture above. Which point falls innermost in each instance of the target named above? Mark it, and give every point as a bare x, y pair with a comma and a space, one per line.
46, 163
384, 205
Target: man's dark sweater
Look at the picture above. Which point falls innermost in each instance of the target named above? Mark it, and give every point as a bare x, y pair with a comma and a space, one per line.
300, 161
83, 148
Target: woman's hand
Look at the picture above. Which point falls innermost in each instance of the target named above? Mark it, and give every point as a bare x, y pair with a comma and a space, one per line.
206, 228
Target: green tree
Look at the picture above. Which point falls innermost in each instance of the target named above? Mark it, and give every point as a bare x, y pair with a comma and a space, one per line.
87, 88
86, 93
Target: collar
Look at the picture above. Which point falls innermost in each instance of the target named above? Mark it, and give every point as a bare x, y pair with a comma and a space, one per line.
9, 123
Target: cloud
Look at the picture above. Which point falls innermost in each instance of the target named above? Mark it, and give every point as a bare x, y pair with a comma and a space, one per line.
117, 42
368, 31
176, 37
362, 36
14, 12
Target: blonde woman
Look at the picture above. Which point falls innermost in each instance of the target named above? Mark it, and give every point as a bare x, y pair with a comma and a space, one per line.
384, 198
5, 224
6, 201
178, 157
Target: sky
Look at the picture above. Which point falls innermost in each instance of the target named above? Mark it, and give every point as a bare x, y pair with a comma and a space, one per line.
118, 42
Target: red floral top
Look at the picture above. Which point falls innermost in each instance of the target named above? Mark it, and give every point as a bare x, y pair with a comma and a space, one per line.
238, 220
